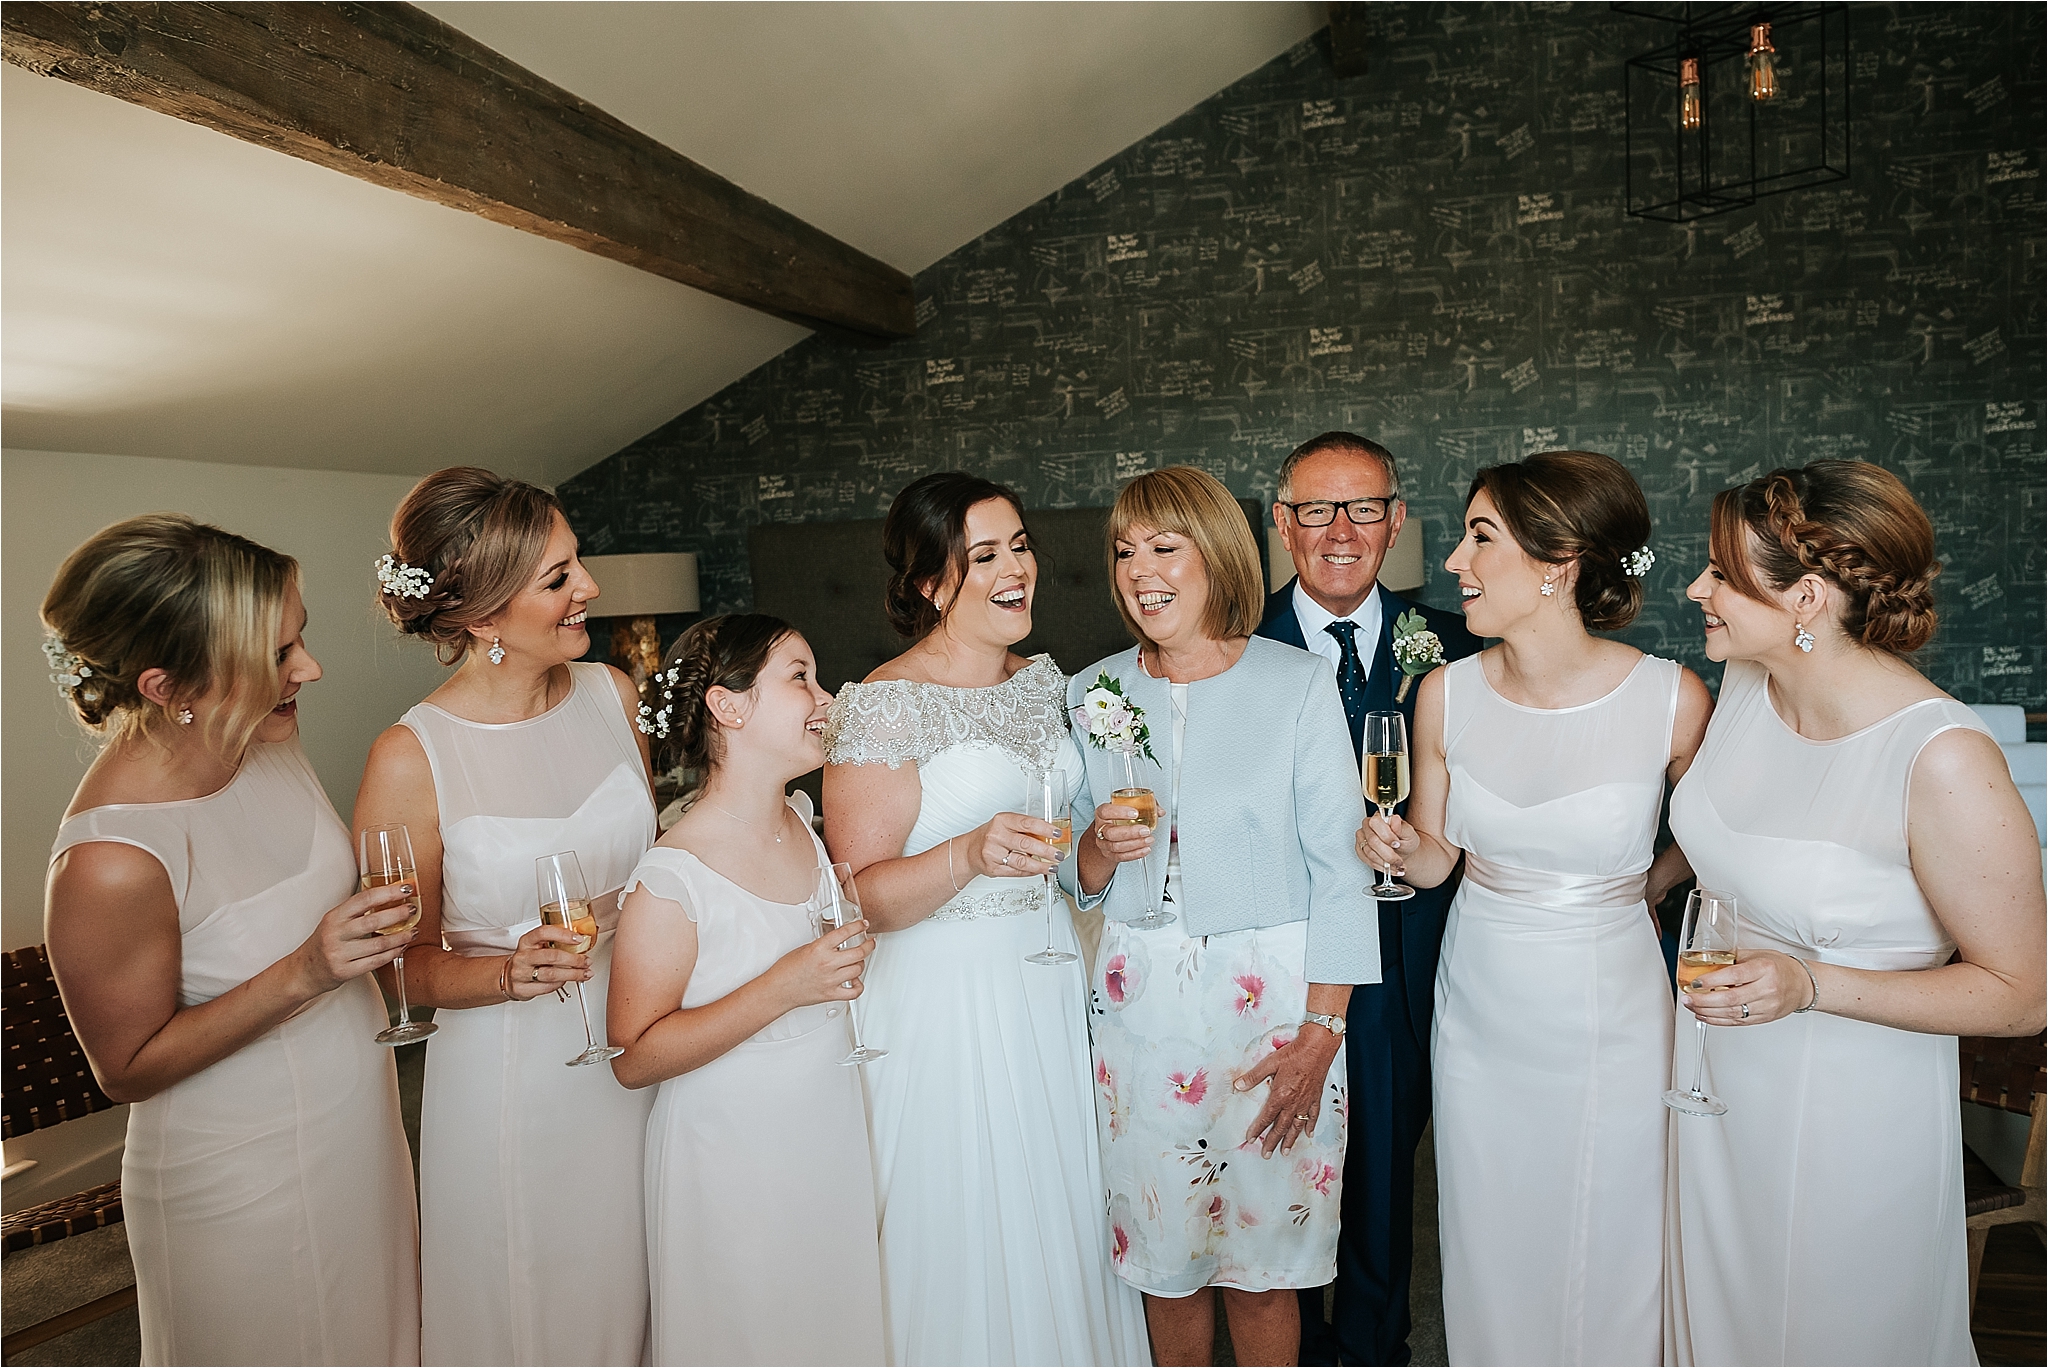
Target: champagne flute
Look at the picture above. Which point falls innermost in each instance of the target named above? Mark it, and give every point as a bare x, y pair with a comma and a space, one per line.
1706, 942
837, 903
384, 857
1047, 801
1385, 777
564, 902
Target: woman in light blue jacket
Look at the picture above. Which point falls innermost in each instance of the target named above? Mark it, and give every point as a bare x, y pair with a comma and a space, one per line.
1218, 1036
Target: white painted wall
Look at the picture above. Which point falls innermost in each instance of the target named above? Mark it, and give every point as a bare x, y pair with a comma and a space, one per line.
333, 522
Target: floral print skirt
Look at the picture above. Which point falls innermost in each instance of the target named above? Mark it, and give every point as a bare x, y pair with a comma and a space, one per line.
1176, 1022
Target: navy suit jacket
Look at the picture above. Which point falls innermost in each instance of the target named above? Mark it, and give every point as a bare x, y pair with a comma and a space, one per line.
1426, 910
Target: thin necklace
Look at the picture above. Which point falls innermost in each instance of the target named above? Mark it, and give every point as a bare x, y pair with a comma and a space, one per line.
748, 820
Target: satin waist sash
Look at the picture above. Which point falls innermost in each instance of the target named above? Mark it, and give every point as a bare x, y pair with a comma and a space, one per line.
503, 940
1888, 958
1620, 892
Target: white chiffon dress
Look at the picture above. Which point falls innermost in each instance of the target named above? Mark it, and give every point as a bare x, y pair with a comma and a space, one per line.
532, 1244
1552, 1041
994, 1233
757, 1163
1820, 1220
268, 1198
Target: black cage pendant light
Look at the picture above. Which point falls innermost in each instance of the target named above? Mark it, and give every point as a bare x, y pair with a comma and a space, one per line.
1744, 101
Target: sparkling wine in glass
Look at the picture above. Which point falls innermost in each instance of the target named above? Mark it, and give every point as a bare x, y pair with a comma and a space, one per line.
837, 903
1706, 942
384, 857
1385, 776
1047, 801
565, 902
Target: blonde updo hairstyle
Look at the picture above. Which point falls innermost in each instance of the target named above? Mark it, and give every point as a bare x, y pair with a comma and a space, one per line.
1855, 525
167, 592
729, 652
479, 534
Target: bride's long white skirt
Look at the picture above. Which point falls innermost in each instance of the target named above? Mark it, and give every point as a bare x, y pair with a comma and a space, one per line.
995, 1239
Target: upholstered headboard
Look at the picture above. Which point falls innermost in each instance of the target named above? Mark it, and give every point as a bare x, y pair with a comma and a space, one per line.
828, 579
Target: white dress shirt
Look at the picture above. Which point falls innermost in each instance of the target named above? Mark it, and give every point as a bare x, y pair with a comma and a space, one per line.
1313, 618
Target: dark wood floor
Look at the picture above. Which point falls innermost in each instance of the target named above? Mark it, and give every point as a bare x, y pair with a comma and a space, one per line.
2011, 1324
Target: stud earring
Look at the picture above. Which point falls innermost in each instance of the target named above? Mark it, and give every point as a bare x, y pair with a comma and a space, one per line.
1802, 638
1548, 590
497, 652
184, 717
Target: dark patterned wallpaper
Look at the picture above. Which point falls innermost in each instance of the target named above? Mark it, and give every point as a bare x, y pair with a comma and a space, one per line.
1435, 254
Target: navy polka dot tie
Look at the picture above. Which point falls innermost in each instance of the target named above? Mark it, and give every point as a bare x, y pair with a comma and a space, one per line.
1350, 679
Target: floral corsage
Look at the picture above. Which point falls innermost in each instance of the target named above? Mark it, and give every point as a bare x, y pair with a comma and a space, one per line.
1417, 650
1111, 721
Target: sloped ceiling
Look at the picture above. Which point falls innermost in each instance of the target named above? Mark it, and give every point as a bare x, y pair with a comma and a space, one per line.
169, 291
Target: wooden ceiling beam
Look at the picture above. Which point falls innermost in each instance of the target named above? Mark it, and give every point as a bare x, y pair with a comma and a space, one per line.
390, 94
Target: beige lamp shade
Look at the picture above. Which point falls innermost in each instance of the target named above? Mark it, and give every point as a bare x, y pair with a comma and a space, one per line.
1402, 571
643, 586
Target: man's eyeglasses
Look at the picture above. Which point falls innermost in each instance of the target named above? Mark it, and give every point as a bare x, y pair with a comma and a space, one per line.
1323, 512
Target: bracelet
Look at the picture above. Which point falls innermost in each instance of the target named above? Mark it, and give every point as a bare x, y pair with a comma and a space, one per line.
505, 978
1810, 979
950, 878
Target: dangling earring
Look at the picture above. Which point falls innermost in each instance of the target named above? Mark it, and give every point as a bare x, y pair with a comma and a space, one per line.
1802, 638
184, 717
1548, 590
497, 652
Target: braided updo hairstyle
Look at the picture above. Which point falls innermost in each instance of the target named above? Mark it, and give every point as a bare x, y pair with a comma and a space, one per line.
165, 591
479, 534
1562, 506
1856, 525
924, 539
728, 651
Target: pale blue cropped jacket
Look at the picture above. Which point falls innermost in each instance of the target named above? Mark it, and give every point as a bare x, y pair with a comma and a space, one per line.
1270, 805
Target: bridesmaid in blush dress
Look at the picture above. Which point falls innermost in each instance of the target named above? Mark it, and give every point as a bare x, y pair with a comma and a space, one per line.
215, 958
1544, 760
724, 995
1889, 895
531, 1245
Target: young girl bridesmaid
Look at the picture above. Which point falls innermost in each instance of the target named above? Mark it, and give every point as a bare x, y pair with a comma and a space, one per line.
725, 996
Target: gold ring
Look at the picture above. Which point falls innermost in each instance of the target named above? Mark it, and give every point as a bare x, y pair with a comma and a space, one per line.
1301, 1116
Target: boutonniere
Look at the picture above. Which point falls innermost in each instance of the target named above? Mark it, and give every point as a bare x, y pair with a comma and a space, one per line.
1417, 650
1111, 721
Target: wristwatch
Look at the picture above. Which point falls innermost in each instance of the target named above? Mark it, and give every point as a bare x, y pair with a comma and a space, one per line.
1333, 1024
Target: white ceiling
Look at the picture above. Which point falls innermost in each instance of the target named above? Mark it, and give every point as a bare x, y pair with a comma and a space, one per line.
169, 291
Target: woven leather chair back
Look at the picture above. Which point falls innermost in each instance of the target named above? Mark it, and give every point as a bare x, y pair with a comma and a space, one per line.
2003, 1071
48, 1079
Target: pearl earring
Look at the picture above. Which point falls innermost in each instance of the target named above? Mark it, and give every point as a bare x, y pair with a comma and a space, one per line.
184, 717
497, 652
1802, 638
1548, 590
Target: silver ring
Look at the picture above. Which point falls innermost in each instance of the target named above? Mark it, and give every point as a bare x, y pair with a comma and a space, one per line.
1745, 1011
1006, 858
536, 975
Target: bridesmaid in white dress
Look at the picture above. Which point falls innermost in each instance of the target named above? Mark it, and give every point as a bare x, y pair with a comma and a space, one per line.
995, 1243
1889, 896
215, 959
531, 1247
1543, 760
757, 1151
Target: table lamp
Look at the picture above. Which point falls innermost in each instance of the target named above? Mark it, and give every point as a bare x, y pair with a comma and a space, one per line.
635, 590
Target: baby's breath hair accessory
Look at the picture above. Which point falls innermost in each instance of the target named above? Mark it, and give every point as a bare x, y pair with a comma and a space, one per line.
654, 722
403, 581
1637, 563
67, 670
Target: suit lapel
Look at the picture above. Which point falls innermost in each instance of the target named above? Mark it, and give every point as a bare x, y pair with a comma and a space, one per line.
1282, 625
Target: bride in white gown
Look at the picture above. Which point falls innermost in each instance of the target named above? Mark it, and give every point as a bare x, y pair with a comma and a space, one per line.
995, 1246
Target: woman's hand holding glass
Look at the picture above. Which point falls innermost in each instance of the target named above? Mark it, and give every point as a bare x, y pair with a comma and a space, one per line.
542, 963
1386, 842
1120, 833
828, 969
1768, 982
1012, 845
366, 932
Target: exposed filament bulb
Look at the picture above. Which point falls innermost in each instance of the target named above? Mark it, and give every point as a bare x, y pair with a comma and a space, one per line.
1763, 63
1691, 108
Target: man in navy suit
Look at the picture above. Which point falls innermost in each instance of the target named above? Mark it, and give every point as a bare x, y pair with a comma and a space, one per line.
1339, 509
